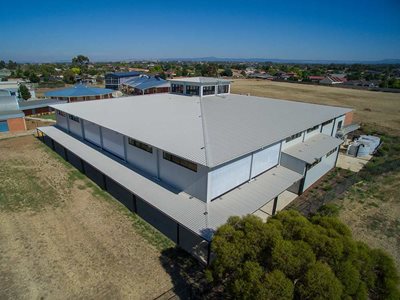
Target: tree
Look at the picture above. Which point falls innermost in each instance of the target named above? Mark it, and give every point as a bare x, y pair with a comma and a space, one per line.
2, 64
291, 256
33, 78
69, 77
80, 60
24, 92
227, 72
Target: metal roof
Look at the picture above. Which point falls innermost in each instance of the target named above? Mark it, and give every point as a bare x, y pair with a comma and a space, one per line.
144, 82
5, 93
8, 103
198, 216
5, 115
210, 130
313, 148
31, 104
79, 90
201, 80
124, 74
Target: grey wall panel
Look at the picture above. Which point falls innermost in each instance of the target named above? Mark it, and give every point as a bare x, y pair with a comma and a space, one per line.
327, 129
94, 174
75, 127
157, 219
62, 121
74, 160
183, 179
92, 132
120, 193
113, 142
59, 149
292, 163
141, 159
193, 244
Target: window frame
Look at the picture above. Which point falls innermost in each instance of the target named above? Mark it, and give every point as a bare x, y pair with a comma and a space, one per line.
180, 161
74, 118
140, 145
311, 129
293, 137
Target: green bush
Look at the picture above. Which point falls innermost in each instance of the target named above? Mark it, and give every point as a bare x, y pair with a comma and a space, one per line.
292, 257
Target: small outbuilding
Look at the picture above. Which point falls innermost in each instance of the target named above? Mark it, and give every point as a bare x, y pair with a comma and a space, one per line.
80, 92
38, 107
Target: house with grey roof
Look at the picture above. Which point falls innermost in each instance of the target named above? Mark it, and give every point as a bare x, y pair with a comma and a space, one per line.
144, 85
188, 160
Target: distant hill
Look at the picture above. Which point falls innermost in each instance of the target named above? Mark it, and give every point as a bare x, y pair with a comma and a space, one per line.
277, 60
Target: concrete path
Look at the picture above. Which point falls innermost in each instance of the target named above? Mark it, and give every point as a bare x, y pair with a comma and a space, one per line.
351, 163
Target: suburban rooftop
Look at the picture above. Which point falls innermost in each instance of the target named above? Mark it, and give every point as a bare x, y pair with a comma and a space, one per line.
209, 131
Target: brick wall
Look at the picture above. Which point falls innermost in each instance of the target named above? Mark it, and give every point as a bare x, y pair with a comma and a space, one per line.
348, 119
16, 124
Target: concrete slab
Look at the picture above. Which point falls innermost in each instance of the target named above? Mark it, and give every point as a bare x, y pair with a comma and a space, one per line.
285, 199
351, 163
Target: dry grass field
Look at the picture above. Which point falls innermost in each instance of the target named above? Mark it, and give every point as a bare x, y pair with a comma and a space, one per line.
378, 108
62, 238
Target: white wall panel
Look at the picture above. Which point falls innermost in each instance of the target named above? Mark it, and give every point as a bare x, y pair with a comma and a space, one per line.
62, 121
75, 127
92, 132
265, 159
113, 142
327, 129
319, 170
229, 176
142, 159
292, 142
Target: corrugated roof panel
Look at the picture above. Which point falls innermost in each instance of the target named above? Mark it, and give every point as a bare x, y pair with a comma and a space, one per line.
221, 129
313, 148
78, 90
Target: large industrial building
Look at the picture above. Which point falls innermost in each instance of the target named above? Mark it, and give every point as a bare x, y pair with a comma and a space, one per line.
187, 161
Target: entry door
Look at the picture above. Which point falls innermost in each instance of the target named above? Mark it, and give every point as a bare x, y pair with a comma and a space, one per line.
3, 126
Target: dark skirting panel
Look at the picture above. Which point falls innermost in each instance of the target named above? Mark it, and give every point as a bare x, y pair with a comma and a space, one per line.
75, 160
120, 193
161, 222
94, 174
194, 244
60, 150
48, 141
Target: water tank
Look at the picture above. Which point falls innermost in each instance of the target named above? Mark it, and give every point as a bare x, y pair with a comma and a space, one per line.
373, 141
359, 149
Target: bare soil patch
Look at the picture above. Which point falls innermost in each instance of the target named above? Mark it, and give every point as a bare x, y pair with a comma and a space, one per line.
59, 239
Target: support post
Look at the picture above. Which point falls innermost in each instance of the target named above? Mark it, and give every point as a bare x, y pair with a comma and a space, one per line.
274, 207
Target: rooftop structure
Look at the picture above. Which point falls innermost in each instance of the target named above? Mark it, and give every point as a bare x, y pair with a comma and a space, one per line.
200, 86
80, 92
11, 117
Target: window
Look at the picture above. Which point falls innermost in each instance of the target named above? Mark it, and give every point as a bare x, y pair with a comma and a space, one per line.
61, 113
177, 88
180, 161
312, 129
314, 164
339, 125
192, 90
73, 118
223, 89
292, 137
209, 90
331, 152
140, 145
327, 122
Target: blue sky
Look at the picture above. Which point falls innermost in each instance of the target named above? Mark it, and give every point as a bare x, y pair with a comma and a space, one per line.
109, 30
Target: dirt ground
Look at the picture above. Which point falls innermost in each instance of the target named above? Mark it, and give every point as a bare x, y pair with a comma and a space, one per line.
59, 240
371, 107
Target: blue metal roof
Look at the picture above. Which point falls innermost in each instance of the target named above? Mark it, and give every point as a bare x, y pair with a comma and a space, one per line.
124, 74
78, 90
146, 82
